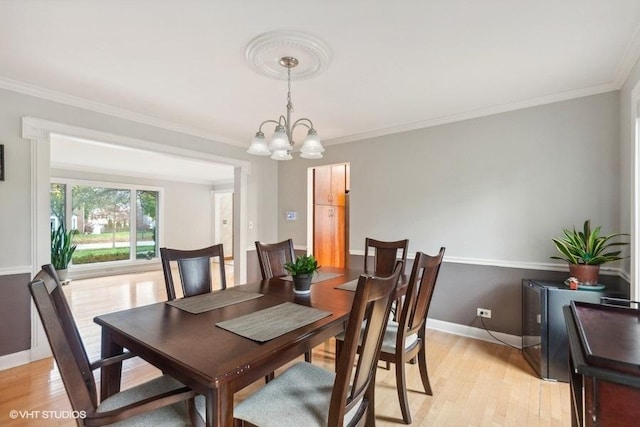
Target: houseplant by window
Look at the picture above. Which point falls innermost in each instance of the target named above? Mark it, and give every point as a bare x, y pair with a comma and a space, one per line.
61, 250
301, 270
586, 250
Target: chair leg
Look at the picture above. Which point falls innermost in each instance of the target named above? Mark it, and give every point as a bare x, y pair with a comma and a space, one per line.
422, 363
401, 385
307, 357
370, 395
269, 377
338, 350
194, 415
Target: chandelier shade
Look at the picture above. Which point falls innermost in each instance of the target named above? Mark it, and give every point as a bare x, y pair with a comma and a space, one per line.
280, 145
259, 146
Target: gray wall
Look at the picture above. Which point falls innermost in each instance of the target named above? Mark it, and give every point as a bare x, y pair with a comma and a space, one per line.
492, 190
15, 314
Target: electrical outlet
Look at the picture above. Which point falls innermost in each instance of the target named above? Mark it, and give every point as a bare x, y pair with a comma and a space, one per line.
483, 312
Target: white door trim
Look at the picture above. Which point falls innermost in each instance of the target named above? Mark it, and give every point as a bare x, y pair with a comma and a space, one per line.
635, 192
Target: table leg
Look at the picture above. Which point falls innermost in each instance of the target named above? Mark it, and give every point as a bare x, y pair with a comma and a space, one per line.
219, 407
110, 375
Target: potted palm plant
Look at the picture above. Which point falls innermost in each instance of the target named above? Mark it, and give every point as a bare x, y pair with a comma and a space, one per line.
586, 250
301, 271
61, 250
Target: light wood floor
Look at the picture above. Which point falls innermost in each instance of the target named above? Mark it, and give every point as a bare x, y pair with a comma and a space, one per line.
475, 383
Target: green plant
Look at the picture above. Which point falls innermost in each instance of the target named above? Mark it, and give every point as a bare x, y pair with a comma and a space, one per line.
61, 247
587, 246
305, 264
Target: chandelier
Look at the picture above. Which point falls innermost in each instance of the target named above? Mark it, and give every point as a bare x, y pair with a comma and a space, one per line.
281, 143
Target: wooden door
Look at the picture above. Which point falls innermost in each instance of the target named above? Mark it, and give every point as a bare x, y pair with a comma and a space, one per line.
329, 235
330, 184
330, 226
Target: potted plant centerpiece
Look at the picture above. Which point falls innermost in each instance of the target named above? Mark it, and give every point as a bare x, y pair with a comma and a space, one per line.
586, 250
61, 250
301, 270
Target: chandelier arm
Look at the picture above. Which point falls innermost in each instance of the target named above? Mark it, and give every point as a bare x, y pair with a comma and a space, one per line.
301, 122
265, 122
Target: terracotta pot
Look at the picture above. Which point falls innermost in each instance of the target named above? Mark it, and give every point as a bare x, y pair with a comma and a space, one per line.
302, 283
586, 274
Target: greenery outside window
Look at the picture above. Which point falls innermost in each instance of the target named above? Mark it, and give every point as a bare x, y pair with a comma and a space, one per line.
107, 220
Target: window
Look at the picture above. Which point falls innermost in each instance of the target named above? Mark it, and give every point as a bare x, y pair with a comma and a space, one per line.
108, 220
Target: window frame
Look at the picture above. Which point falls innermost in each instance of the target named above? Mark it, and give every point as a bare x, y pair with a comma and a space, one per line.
133, 189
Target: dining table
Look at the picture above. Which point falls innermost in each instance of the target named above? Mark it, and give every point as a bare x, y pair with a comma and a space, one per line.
197, 344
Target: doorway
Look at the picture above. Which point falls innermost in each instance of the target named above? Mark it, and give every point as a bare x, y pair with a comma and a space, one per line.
38, 132
330, 186
223, 221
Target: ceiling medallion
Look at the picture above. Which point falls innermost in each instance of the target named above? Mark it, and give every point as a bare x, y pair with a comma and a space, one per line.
264, 53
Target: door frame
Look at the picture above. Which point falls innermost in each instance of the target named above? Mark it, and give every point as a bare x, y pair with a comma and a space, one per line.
38, 132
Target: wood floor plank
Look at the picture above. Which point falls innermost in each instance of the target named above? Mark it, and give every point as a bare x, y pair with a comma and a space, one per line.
475, 383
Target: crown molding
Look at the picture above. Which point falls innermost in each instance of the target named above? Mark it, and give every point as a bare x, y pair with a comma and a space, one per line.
629, 59
97, 107
31, 90
482, 112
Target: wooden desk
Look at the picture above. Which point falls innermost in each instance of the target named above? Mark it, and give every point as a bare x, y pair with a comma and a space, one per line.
604, 345
211, 360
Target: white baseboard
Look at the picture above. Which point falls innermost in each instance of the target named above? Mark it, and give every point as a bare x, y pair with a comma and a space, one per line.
15, 359
473, 332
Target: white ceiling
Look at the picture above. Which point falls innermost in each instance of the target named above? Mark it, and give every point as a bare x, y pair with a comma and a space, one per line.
395, 65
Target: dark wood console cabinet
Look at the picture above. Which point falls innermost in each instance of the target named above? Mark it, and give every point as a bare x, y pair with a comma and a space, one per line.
604, 347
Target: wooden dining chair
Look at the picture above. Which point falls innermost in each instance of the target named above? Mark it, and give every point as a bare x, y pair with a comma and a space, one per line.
161, 401
194, 267
308, 395
385, 256
405, 339
273, 256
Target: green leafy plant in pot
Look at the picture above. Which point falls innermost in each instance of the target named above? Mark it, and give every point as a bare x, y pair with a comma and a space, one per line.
302, 270
586, 250
61, 250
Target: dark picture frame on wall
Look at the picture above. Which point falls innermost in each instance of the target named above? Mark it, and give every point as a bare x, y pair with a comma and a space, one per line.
1, 162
